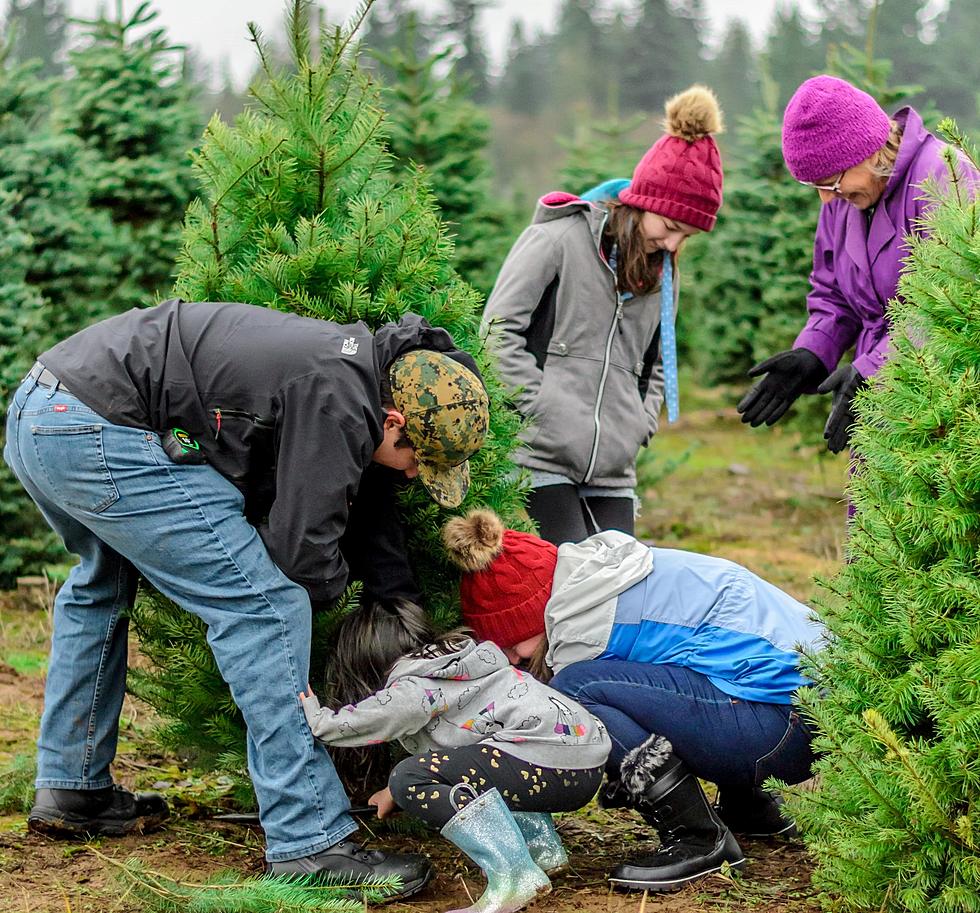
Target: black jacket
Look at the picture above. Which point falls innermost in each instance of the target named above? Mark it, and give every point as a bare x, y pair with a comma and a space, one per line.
287, 408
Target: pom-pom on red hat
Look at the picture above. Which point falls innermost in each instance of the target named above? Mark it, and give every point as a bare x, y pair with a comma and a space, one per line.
680, 176
507, 576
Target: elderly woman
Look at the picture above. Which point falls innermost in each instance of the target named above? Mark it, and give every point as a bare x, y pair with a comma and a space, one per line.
868, 170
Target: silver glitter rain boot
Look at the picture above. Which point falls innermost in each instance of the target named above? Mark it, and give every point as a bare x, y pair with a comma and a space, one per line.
543, 841
486, 831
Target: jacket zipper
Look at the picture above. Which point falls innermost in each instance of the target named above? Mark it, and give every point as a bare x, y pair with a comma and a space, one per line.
237, 413
605, 362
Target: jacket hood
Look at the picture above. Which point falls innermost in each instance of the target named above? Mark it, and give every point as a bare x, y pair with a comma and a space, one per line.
560, 205
472, 661
914, 134
393, 340
589, 577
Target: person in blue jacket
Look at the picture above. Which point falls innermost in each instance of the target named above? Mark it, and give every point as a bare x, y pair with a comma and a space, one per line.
690, 661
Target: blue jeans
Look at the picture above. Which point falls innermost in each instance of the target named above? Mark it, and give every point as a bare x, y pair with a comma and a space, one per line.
728, 741
123, 507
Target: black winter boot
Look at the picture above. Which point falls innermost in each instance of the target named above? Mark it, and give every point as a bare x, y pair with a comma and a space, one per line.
754, 812
693, 842
110, 812
347, 862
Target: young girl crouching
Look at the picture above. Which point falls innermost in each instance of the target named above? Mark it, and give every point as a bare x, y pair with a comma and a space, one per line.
492, 751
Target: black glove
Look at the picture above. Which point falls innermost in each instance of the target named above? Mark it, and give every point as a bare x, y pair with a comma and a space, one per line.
788, 374
843, 383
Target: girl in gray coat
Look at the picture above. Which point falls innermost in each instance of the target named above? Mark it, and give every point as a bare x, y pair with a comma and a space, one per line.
492, 751
582, 322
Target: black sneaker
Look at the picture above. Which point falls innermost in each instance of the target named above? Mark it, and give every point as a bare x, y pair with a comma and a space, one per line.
348, 862
110, 812
754, 813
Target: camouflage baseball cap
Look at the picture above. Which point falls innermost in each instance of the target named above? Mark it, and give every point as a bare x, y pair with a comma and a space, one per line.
446, 413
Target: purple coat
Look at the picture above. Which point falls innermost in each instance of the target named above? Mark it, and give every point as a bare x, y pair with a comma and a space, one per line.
856, 266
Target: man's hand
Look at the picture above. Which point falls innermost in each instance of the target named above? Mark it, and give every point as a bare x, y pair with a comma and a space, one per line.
384, 802
844, 383
787, 375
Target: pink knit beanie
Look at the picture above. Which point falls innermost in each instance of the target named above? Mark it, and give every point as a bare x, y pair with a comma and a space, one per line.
830, 126
680, 176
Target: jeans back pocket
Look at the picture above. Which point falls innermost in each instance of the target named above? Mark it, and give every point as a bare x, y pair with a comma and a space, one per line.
72, 459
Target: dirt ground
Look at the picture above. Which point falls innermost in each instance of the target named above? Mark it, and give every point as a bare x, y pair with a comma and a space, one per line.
750, 496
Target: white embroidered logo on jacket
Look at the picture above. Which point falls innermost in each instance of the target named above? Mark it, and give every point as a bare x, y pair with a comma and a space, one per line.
350, 346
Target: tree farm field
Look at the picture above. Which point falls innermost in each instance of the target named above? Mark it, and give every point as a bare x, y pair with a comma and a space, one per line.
754, 496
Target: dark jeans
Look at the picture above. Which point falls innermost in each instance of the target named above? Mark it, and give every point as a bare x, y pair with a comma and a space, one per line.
563, 515
425, 784
729, 741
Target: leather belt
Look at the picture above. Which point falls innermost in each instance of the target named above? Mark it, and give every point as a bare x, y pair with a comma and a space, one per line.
45, 378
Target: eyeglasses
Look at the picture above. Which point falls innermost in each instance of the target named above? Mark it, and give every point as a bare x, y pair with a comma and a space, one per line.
830, 188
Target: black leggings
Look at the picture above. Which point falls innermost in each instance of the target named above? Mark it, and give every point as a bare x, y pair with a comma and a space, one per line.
422, 784
563, 515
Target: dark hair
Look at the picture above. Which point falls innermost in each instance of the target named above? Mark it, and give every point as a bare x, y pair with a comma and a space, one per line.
537, 665
636, 270
372, 639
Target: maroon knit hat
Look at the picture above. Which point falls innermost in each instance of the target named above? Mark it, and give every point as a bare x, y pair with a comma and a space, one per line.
680, 176
507, 576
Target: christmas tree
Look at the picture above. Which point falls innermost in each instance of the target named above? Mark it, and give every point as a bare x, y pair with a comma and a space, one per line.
895, 820
58, 268
128, 104
432, 123
600, 150
300, 211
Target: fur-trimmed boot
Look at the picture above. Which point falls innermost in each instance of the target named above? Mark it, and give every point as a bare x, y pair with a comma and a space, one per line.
486, 831
543, 841
693, 841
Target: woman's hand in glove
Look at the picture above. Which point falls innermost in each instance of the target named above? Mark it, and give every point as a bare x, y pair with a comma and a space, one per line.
844, 383
788, 374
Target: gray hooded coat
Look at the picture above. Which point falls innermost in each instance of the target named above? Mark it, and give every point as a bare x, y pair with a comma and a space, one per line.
583, 366
468, 697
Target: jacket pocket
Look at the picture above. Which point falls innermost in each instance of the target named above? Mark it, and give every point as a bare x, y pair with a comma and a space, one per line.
72, 459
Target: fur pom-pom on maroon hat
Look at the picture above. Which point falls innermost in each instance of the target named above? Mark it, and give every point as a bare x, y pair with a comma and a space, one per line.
507, 576
680, 176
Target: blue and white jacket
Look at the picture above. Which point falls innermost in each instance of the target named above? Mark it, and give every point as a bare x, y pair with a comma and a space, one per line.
615, 598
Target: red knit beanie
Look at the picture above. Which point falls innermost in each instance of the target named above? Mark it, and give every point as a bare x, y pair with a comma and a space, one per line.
680, 176
507, 576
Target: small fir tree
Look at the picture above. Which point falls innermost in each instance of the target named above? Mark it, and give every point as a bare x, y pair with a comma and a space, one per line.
432, 123
128, 103
894, 822
300, 211
58, 267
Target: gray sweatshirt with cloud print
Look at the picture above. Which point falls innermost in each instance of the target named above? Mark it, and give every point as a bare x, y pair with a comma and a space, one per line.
464, 698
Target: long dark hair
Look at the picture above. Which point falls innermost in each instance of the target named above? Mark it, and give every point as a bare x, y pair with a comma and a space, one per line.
636, 270
372, 639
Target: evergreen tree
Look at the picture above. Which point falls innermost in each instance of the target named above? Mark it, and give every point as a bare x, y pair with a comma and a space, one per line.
602, 150
300, 211
524, 87
385, 31
661, 56
38, 30
952, 76
461, 26
894, 821
59, 265
578, 87
431, 123
734, 73
127, 102
792, 54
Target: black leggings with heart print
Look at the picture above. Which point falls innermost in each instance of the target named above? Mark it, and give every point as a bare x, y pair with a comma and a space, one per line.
424, 784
